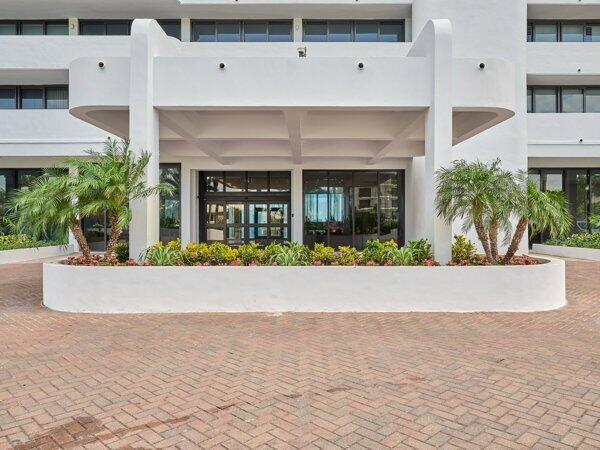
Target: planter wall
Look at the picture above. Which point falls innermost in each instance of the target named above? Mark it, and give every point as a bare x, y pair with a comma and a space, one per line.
591, 254
29, 254
308, 289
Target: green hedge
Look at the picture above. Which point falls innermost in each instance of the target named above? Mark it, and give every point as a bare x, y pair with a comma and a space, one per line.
583, 240
16, 241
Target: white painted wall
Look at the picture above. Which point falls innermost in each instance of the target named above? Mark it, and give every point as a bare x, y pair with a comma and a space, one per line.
29, 254
559, 135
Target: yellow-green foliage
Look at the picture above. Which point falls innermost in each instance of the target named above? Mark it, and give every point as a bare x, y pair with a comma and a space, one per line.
194, 254
222, 254
323, 254
348, 256
250, 254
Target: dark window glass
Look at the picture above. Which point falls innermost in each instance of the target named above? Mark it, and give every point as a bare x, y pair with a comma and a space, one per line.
592, 100
529, 32
340, 208
545, 32
592, 32
572, 100
57, 29
315, 207
117, 28
92, 28
280, 181
258, 182
366, 32
595, 197
8, 29
8, 98
552, 180
32, 98
32, 28
235, 182
388, 206
315, 31
228, 32
204, 32
25, 177
171, 28
57, 97
529, 100
170, 205
572, 32
545, 100
577, 195
215, 182
340, 31
391, 32
365, 207
256, 32
280, 31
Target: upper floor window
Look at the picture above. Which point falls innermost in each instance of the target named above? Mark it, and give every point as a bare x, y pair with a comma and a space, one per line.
565, 99
34, 27
566, 31
171, 28
238, 31
353, 31
104, 27
34, 97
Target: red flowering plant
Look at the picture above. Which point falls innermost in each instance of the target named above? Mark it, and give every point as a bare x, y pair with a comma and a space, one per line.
97, 260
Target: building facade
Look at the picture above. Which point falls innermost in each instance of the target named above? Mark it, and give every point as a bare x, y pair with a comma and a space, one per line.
317, 121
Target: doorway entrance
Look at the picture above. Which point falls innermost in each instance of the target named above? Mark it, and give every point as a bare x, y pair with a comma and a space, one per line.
241, 207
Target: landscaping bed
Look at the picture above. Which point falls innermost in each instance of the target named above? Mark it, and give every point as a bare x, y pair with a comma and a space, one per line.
20, 248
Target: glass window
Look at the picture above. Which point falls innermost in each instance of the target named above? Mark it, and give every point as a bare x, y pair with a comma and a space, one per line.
235, 182
7, 184
8, 28
117, 28
391, 32
57, 29
92, 28
592, 100
170, 208
258, 182
315, 208
256, 32
8, 98
572, 32
529, 100
545, 100
57, 97
171, 28
366, 32
545, 32
279, 181
215, 182
340, 208
572, 100
576, 187
595, 197
365, 208
340, 31
204, 32
315, 31
529, 32
388, 206
280, 31
552, 180
32, 28
592, 32
228, 32
32, 98
215, 221
535, 176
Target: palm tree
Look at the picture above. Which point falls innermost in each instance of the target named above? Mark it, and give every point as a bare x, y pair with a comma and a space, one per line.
110, 180
540, 211
49, 203
481, 195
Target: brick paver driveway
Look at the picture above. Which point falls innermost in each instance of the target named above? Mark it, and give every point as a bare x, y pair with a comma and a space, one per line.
299, 380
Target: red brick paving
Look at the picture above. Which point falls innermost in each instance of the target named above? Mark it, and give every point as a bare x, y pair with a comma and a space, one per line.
299, 380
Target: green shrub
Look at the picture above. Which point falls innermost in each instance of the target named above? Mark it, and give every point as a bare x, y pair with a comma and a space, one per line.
250, 254
379, 252
321, 254
221, 254
162, 255
421, 251
582, 240
16, 241
462, 249
122, 252
348, 256
195, 254
292, 254
270, 253
401, 257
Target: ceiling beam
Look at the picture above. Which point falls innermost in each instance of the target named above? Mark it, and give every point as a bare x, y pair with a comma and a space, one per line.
183, 127
410, 126
293, 121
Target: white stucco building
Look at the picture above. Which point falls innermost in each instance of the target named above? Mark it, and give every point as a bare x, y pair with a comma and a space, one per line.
315, 120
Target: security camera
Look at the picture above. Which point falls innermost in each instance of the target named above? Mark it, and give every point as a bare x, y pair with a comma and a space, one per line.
302, 52
101, 65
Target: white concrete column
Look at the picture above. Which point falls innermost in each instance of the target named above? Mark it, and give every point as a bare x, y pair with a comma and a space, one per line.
297, 205
435, 43
73, 26
186, 30
185, 203
297, 29
147, 39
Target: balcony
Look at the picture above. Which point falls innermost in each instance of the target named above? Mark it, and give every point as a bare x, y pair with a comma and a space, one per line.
563, 63
563, 135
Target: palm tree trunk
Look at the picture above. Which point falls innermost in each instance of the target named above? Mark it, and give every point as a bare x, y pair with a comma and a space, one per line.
115, 233
80, 238
516, 239
493, 234
483, 237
